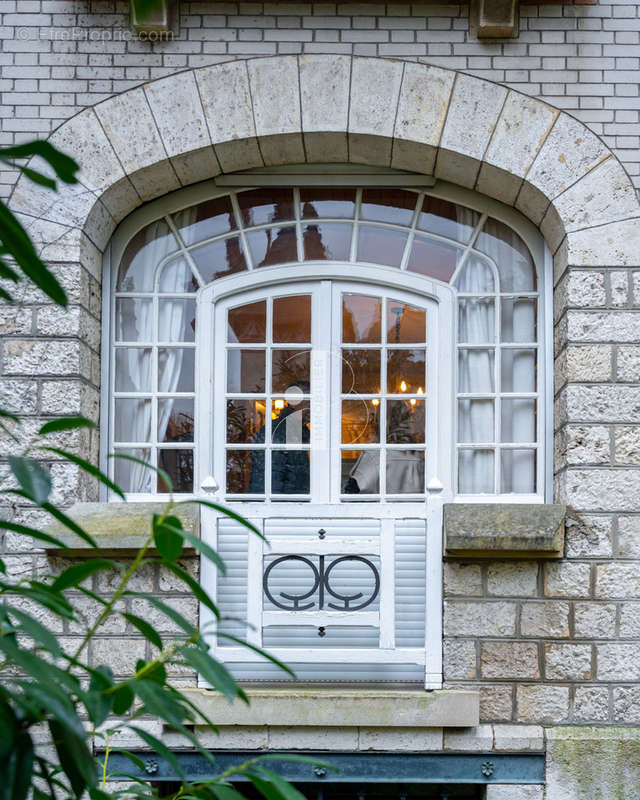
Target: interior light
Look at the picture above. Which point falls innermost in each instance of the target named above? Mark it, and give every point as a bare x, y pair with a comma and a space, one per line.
375, 402
413, 401
279, 404
403, 386
420, 390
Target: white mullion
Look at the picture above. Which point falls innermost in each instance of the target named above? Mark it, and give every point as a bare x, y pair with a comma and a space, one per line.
412, 231
497, 411
384, 399
268, 363
155, 354
112, 388
255, 558
297, 212
241, 231
353, 250
387, 584
185, 252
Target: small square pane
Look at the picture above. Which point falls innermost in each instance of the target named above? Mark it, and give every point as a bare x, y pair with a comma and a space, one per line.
219, 258
290, 422
476, 471
176, 277
360, 471
131, 476
134, 319
333, 203
388, 205
360, 421
518, 322
405, 324
208, 219
519, 370
446, 219
360, 371
518, 471
290, 472
178, 464
133, 369
361, 319
290, 371
245, 420
326, 241
176, 320
247, 324
175, 419
475, 420
435, 259
273, 246
476, 320
518, 420
261, 206
476, 371
292, 319
383, 246
176, 369
132, 420
245, 471
406, 371
245, 371
405, 421
405, 471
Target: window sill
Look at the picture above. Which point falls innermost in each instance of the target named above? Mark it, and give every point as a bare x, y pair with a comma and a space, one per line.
385, 708
510, 530
117, 528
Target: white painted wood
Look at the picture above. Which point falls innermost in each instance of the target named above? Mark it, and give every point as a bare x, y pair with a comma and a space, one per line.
333, 546
254, 586
316, 618
387, 585
361, 655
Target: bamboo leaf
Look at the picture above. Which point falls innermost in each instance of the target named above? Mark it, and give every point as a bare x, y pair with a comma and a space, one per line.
38, 632
160, 748
213, 671
195, 587
87, 467
32, 477
167, 535
226, 511
79, 572
147, 630
65, 424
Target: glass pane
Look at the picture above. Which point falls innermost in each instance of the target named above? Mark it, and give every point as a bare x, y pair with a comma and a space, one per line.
518, 420
133, 370
475, 471
360, 471
132, 421
510, 254
360, 371
261, 206
219, 258
405, 421
178, 464
245, 420
176, 276
476, 373
175, 419
475, 420
333, 203
132, 477
436, 259
360, 421
290, 421
245, 371
447, 219
361, 317
176, 369
405, 323
518, 471
205, 220
381, 245
245, 471
327, 241
476, 277
518, 321
141, 256
405, 471
248, 323
176, 320
290, 370
273, 246
518, 370
292, 319
134, 320
406, 371
388, 205
476, 320
290, 472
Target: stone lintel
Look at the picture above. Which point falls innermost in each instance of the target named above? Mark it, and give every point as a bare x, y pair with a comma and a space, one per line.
343, 708
512, 530
151, 17
117, 528
494, 19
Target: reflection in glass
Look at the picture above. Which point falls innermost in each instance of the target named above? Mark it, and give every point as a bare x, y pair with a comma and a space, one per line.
475, 420
388, 205
518, 370
290, 472
245, 471
518, 420
245, 371
219, 258
326, 241
248, 323
381, 245
405, 421
289, 422
476, 276
406, 371
405, 323
175, 419
360, 371
132, 421
518, 319
176, 320
261, 206
405, 471
133, 369
476, 320
208, 219
176, 369
176, 276
145, 250
435, 259
447, 219
130, 476
511, 255
292, 319
475, 471
361, 316
134, 319
273, 246
290, 369
476, 373
178, 464
328, 203
518, 471
244, 419
360, 471
360, 421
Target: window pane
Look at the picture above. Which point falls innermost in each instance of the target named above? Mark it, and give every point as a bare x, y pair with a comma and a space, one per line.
176, 320
518, 471
130, 476
518, 322
475, 471
290, 369
292, 319
133, 369
405, 323
406, 371
327, 241
475, 420
361, 371
245, 420
381, 245
273, 246
132, 422
175, 420
360, 471
360, 421
476, 373
141, 256
290, 422
261, 206
476, 320
178, 464
447, 219
205, 220
405, 471
476, 277
333, 203
245, 371
388, 205
361, 318
176, 276
435, 259
518, 370
245, 471
290, 472
219, 258
248, 323
510, 254
518, 420
176, 369
134, 320
405, 421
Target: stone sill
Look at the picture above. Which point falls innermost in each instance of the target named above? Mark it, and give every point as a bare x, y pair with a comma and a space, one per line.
117, 528
505, 530
385, 708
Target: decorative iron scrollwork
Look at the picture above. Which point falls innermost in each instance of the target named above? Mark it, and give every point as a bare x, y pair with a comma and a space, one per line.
321, 575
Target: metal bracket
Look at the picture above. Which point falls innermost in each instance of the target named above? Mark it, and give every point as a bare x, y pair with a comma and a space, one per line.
155, 20
494, 19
